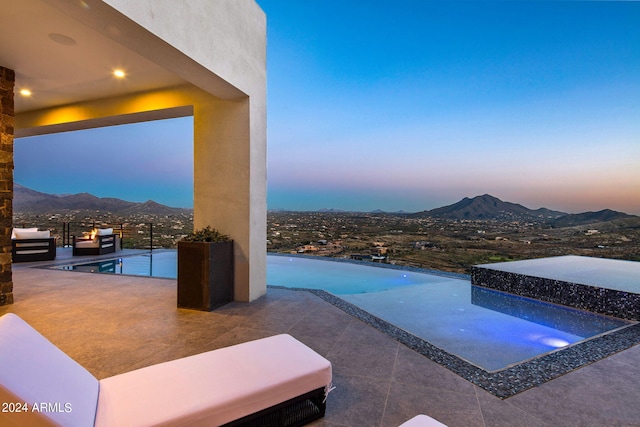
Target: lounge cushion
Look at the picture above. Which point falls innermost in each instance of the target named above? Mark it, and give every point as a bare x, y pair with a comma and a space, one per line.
21, 234
36, 372
213, 388
207, 389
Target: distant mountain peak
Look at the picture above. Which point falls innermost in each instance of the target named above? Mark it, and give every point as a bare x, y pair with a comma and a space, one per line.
488, 207
585, 218
330, 210
28, 200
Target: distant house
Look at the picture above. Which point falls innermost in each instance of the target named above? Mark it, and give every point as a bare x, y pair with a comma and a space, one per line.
307, 248
379, 250
421, 245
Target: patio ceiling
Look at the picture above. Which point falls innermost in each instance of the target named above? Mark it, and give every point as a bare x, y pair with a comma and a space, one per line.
66, 52
63, 61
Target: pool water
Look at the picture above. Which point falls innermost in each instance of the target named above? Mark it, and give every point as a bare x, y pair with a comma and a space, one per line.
490, 329
339, 278
162, 264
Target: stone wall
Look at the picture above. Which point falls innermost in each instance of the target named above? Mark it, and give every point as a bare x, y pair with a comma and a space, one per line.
7, 119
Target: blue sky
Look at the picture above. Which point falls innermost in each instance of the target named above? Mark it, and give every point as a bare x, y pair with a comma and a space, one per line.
410, 105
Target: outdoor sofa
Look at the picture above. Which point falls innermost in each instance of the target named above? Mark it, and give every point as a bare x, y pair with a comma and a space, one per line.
103, 241
31, 244
271, 381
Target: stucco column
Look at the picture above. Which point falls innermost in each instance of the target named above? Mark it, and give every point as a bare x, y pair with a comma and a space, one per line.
7, 120
229, 186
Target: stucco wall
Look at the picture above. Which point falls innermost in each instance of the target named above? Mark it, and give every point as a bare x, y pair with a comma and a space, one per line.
228, 37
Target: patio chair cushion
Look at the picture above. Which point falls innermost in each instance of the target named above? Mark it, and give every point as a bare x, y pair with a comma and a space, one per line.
94, 243
13, 232
22, 234
104, 231
213, 388
35, 372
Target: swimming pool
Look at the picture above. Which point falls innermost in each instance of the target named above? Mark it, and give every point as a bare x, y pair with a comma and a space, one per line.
490, 329
487, 328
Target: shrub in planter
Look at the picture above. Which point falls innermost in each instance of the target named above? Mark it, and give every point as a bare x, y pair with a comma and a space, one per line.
205, 270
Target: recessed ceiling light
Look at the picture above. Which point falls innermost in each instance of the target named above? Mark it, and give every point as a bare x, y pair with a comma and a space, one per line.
25, 92
118, 73
62, 39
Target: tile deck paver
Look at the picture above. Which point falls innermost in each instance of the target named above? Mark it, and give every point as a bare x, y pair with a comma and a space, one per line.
113, 324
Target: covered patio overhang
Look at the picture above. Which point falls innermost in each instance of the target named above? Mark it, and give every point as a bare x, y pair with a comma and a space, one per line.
205, 58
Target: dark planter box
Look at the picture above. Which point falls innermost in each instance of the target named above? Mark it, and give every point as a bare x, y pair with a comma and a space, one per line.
205, 274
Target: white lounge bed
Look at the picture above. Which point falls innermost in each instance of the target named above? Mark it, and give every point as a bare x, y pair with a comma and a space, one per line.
45, 387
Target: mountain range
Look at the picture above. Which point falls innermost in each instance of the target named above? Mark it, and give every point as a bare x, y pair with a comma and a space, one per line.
485, 207
488, 207
28, 200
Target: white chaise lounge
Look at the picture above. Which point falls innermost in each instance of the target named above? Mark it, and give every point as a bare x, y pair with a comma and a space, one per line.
272, 377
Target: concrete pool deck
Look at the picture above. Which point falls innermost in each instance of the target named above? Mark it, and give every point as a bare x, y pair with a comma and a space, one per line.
605, 286
113, 324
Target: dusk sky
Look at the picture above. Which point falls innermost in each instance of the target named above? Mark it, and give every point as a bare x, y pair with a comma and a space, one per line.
407, 105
